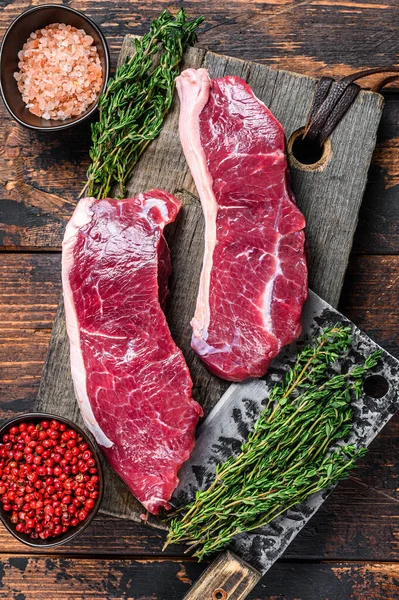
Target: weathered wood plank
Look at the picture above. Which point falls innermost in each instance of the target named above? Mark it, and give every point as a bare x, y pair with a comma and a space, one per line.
33, 219
41, 176
378, 229
29, 296
315, 37
370, 295
108, 536
39, 578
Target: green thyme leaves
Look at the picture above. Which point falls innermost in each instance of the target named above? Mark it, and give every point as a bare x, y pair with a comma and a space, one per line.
133, 107
296, 449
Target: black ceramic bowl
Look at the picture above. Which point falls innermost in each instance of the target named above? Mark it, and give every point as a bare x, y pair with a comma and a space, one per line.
74, 531
15, 37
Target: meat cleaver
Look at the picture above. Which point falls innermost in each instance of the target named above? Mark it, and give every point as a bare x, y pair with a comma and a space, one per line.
236, 571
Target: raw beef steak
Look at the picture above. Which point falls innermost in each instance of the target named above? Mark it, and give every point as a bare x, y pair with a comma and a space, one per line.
254, 275
131, 381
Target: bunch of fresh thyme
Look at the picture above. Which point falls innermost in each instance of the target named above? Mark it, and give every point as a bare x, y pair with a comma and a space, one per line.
292, 452
133, 107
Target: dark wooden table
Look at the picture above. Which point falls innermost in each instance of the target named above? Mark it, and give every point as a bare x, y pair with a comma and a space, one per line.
350, 549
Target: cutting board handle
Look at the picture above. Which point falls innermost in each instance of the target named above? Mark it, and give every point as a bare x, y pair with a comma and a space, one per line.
227, 578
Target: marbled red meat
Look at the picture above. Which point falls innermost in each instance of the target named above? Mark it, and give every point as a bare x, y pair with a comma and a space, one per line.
254, 276
131, 381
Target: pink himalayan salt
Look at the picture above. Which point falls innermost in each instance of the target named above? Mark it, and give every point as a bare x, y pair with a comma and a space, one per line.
60, 72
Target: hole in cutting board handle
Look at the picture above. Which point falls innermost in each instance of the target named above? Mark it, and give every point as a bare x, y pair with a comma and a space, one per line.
306, 154
375, 386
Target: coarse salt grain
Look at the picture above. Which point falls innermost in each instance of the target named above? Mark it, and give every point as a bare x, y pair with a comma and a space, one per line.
60, 73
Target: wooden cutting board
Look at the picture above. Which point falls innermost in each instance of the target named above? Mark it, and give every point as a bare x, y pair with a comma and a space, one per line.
328, 193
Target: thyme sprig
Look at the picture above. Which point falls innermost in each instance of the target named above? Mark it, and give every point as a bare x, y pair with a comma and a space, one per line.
133, 107
296, 449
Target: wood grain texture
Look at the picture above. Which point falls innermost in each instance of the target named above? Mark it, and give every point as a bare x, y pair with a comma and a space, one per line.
378, 229
370, 294
227, 578
41, 176
314, 37
28, 577
42, 217
29, 296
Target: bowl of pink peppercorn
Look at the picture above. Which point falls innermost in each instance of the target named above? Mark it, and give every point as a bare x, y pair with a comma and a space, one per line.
51, 479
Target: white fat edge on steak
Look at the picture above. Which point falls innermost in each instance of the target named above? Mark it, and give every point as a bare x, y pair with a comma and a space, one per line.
193, 86
81, 217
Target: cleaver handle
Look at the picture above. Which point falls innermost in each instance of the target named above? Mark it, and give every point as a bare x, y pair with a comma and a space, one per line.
227, 578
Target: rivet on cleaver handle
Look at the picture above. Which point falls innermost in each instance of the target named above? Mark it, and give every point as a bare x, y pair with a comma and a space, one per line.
228, 425
228, 578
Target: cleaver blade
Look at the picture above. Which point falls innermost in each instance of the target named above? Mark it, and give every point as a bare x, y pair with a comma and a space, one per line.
229, 423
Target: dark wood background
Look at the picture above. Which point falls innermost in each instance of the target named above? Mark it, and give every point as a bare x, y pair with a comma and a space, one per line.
350, 549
